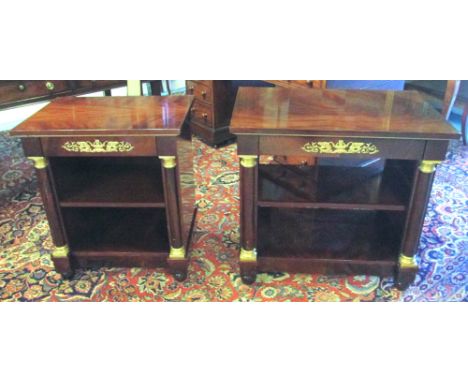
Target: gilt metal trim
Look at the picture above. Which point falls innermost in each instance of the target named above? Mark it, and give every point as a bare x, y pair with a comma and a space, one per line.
97, 146
39, 162
177, 253
340, 147
406, 262
168, 161
428, 166
248, 255
248, 161
61, 252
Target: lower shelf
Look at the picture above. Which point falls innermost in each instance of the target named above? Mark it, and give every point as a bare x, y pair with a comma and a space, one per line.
97, 232
332, 241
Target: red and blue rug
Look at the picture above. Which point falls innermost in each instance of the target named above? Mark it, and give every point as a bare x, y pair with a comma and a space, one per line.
27, 274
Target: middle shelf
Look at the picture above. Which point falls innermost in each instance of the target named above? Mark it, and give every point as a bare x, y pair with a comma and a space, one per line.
379, 186
109, 182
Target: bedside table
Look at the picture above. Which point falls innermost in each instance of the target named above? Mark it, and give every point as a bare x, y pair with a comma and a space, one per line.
116, 179
365, 219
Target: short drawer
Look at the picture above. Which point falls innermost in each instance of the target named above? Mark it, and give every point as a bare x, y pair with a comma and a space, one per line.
200, 91
99, 146
201, 113
342, 147
15, 91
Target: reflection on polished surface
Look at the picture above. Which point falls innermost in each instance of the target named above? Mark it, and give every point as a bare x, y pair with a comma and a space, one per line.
379, 113
109, 115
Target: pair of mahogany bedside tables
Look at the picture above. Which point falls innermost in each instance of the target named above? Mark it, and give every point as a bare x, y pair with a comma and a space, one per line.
116, 178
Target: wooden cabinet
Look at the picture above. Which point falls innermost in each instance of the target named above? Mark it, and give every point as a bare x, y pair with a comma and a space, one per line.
18, 92
211, 110
116, 178
363, 215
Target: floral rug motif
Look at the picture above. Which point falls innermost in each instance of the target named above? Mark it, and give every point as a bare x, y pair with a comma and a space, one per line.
27, 273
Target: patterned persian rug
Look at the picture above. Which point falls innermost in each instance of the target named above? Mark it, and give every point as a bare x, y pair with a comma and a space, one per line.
27, 274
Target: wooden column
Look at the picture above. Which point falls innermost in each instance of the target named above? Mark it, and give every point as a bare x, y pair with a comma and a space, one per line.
61, 253
177, 261
407, 266
248, 217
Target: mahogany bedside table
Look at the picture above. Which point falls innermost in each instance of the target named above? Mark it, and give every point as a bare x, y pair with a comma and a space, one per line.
116, 179
360, 210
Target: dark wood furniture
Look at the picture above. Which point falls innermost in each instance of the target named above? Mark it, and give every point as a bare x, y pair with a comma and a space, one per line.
116, 178
211, 109
335, 218
18, 92
214, 100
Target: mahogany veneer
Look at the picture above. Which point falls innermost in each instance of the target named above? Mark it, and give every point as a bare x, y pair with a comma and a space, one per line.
356, 216
116, 178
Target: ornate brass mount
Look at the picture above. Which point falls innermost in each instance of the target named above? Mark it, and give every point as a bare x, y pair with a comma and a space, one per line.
340, 147
61, 252
428, 166
248, 161
248, 255
177, 253
98, 146
168, 161
39, 162
407, 261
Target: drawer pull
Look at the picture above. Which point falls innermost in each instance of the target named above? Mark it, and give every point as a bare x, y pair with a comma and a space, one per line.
21, 87
340, 147
203, 93
205, 115
49, 85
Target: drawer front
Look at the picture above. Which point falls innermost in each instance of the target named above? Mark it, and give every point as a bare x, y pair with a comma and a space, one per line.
99, 146
200, 91
203, 82
343, 147
201, 113
14, 91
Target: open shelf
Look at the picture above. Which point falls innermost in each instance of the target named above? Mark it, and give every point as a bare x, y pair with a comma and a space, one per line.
97, 231
375, 187
108, 182
336, 236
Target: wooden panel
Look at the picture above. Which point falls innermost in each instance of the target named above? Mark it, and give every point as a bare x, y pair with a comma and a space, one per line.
392, 114
104, 116
99, 146
343, 147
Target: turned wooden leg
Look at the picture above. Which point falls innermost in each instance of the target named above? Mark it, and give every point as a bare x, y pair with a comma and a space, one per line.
463, 124
61, 253
407, 266
248, 217
178, 260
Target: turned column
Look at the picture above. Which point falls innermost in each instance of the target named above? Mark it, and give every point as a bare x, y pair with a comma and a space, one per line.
177, 261
248, 217
61, 253
407, 265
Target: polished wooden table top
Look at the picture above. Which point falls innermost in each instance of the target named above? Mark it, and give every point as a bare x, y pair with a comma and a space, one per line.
281, 111
71, 116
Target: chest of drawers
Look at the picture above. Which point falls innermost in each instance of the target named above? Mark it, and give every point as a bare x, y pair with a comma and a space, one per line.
211, 110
